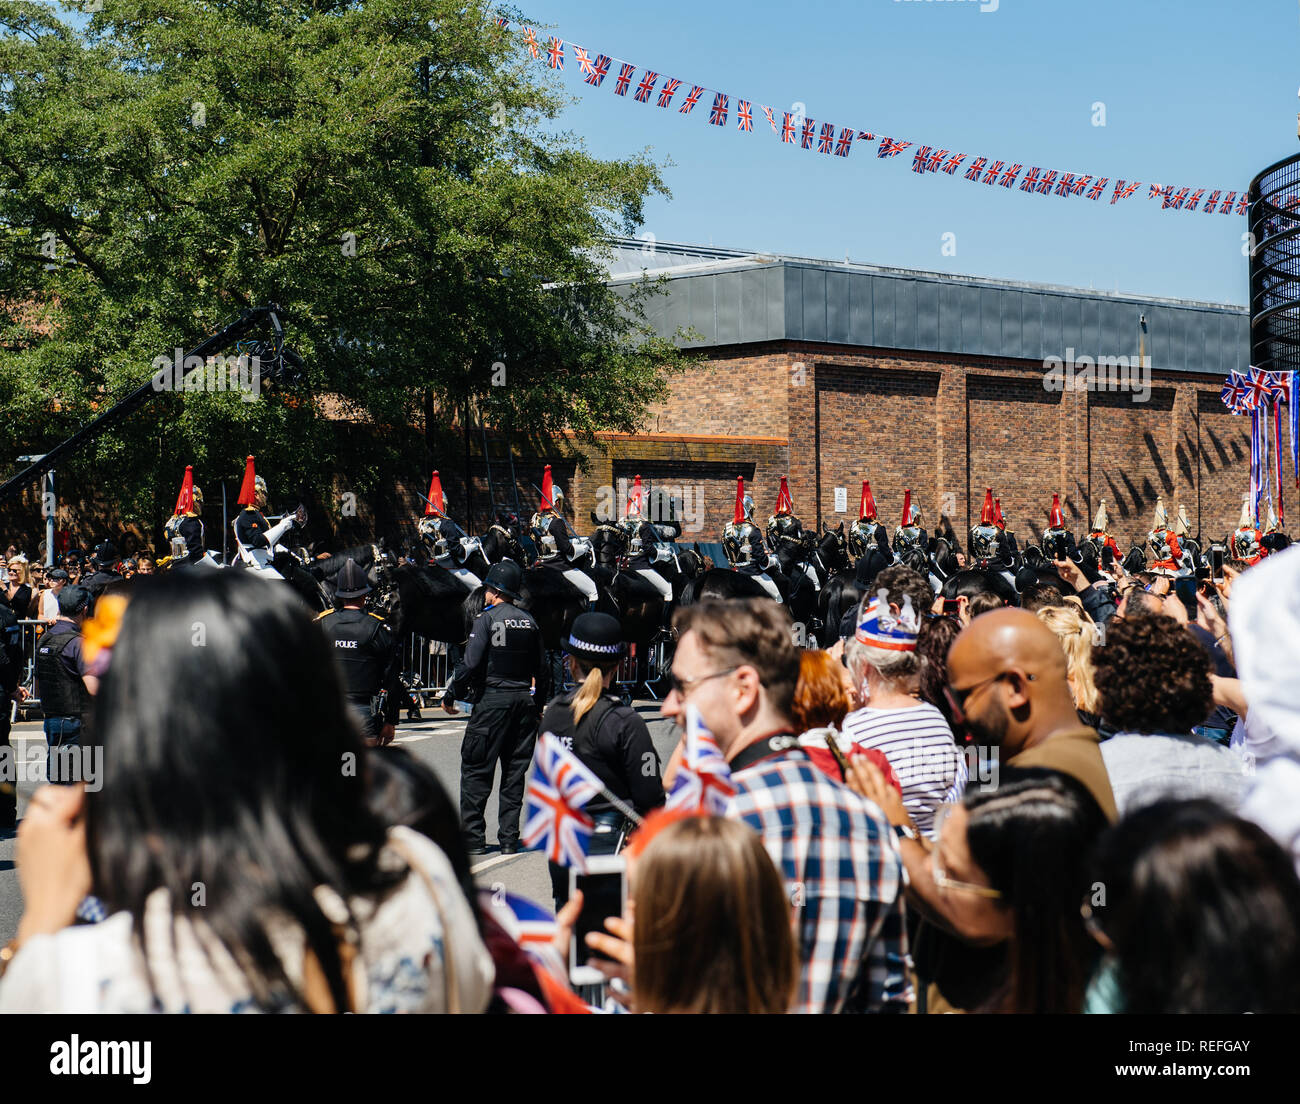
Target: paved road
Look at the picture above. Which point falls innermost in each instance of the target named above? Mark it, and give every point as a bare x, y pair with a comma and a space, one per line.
434, 741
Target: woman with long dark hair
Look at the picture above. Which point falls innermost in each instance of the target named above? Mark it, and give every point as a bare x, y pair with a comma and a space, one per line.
229, 836
1198, 911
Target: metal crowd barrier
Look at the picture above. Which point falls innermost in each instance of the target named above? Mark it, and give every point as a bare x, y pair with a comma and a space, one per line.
31, 631
426, 668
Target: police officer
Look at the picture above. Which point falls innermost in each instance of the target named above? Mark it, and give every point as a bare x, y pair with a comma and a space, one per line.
105, 563
61, 681
503, 658
609, 737
11, 672
367, 652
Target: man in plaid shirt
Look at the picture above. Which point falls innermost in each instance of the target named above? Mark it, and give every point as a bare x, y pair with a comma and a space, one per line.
735, 661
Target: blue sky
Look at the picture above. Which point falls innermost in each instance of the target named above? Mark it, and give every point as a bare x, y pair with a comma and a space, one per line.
1196, 93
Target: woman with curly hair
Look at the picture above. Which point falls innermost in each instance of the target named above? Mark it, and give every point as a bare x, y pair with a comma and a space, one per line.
1155, 687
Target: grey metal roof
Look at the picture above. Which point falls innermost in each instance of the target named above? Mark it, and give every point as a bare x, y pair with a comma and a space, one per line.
738, 297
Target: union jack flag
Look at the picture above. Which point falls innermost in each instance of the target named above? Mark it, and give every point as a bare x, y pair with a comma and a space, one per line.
599, 68
1176, 201
1098, 186
718, 113
891, 148
976, 168
625, 72
1278, 386
1066, 186
936, 160
826, 141
1258, 389
703, 783
555, 53
809, 133
1243, 204
1195, 199
1049, 178
845, 142
866, 136
525, 921
954, 163
1009, 176
691, 100
991, 177
1225, 208
770, 118
1154, 191
530, 40
1031, 180
787, 128
671, 84
584, 62
920, 158
1212, 202
646, 88
558, 789
1234, 393
744, 115
1122, 191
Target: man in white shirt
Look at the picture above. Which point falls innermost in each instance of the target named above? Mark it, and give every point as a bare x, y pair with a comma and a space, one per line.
58, 579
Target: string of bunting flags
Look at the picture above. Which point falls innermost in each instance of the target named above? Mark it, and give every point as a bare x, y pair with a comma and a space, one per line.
1259, 393
795, 129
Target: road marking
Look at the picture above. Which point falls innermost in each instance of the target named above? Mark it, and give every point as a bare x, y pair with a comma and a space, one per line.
497, 861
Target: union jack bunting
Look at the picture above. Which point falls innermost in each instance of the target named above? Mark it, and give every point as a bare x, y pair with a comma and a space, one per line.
558, 788
866, 136
954, 163
1066, 184
718, 113
1030, 181
1122, 191
502, 21
845, 142
787, 128
530, 40
1176, 201
666, 92
891, 148
599, 68
744, 115
1155, 191
1098, 186
920, 159
1009, 176
584, 62
770, 118
991, 176
625, 72
1195, 199
691, 100
809, 133
936, 161
976, 168
1257, 389
1243, 204
646, 88
555, 53
826, 140
1225, 208
1278, 385
1234, 391
703, 783
1211, 203
1045, 185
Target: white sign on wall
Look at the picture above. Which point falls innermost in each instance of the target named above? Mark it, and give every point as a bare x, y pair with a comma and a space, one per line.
841, 500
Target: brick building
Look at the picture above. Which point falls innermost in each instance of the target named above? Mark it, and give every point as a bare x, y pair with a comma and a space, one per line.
835, 372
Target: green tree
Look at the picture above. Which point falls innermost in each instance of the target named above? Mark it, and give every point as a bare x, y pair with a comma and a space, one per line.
388, 171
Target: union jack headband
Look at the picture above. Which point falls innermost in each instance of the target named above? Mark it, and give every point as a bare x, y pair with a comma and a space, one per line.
882, 629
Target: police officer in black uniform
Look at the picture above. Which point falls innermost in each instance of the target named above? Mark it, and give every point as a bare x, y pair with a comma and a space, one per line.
104, 560
367, 652
503, 658
11, 673
610, 738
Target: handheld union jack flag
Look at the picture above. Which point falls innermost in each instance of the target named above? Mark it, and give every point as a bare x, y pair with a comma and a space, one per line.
1009, 176
718, 113
826, 140
954, 163
584, 62
558, 789
530, 40
526, 922
891, 148
671, 84
696, 92
1098, 186
809, 134
787, 128
976, 169
646, 88
845, 142
625, 72
599, 69
555, 53
703, 783
744, 115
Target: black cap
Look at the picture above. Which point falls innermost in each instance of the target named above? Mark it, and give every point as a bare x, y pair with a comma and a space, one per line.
105, 553
352, 581
72, 600
505, 578
596, 637
57, 574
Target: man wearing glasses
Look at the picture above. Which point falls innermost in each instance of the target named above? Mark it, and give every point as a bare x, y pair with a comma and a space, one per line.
735, 661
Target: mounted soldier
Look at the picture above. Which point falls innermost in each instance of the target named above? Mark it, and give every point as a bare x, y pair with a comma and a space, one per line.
446, 540
1100, 534
256, 539
556, 547
788, 540
1247, 543
184, 529
1171, 557
867, 533
743, 542
646, 545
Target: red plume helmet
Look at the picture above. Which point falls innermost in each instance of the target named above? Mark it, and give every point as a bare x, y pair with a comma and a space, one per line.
548, 503
867, 511
784, 503
248, 489
185, 502
1056, 520
907, 509
987, 516
998, 519
436, 506
740, 500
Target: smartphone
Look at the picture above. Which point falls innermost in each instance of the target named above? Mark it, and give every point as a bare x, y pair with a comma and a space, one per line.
951, 607
1216, 563
838, 755
1107, 556
604, 894
1185, 588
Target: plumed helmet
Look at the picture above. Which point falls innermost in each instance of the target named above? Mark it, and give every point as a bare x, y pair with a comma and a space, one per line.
984, 542
1247, 543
